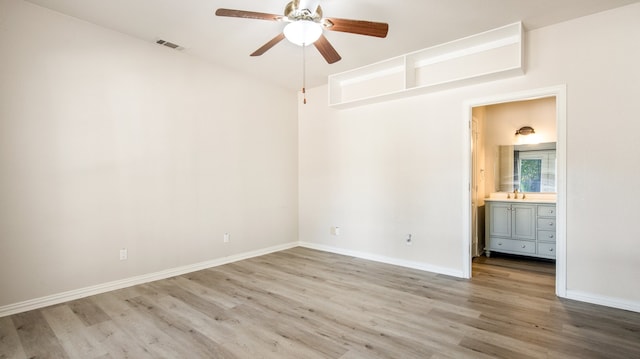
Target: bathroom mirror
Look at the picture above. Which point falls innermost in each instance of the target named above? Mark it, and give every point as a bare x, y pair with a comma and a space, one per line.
527, 168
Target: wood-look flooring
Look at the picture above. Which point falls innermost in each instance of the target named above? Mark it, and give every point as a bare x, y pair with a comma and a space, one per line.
302, 303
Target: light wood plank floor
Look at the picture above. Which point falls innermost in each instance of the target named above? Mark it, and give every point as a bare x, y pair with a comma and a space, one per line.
302, 303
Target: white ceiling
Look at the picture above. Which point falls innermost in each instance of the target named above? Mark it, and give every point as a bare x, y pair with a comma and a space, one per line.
413, 25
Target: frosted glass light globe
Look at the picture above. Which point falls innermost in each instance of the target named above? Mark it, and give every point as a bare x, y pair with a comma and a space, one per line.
303, 32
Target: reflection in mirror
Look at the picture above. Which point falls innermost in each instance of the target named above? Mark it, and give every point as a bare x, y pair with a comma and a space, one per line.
528, 168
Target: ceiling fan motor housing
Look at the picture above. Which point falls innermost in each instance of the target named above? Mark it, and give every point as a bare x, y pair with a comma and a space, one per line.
295, 11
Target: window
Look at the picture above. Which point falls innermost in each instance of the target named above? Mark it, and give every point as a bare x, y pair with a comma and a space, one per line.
535, 170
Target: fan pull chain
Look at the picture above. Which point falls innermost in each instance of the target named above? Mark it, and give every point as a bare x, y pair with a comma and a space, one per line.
304, 75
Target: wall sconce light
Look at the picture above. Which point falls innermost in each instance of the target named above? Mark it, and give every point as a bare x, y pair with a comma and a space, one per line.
526, 136
525, 131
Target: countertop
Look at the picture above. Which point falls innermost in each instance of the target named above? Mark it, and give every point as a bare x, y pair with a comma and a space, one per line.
526, 200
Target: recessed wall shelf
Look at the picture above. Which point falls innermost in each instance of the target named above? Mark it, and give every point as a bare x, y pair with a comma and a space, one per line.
486, 56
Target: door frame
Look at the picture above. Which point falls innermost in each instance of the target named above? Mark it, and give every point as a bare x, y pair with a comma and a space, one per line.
560, 94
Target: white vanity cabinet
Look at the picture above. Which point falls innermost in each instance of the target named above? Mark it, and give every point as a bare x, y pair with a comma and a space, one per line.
518, 227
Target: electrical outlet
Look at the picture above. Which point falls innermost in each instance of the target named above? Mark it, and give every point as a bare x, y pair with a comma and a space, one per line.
409, 240
335, 231
123, 254
225, 238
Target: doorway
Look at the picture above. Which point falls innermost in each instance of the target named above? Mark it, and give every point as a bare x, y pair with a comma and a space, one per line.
479, 175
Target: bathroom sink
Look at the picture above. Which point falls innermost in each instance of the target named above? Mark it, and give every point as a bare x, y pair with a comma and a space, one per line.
530, 200
530, 197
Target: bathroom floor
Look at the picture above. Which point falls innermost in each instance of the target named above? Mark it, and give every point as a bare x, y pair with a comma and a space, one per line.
537, 265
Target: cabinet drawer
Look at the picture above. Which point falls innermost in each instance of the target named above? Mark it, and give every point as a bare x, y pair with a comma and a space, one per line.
547, 250
546, 211
511, 245
549, 236
547, 224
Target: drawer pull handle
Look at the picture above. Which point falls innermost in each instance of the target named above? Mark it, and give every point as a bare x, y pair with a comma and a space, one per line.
550, 249
524, 246
551, 236
499, 243
551, 211
551, 223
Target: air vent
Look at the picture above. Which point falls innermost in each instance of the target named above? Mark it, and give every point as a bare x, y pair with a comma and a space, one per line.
169, 44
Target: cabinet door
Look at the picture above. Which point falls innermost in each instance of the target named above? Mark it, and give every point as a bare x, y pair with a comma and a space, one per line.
524, 221
500, 216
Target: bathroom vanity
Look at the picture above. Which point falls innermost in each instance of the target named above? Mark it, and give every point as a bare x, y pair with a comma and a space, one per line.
521, 226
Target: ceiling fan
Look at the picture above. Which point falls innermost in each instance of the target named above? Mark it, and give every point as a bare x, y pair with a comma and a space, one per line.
305, 25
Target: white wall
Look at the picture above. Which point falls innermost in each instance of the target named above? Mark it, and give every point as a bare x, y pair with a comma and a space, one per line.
502, 120
381, 171
107, 141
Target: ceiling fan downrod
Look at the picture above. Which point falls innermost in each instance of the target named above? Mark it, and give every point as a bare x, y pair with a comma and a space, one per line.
304, 76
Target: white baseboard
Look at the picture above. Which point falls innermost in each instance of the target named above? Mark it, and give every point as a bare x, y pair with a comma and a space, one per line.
384, 259
603, 300
128, 282
145, 278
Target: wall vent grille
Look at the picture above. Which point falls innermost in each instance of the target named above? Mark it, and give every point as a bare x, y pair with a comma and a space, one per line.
169, 44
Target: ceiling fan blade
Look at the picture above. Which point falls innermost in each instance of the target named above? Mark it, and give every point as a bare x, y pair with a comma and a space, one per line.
268, 45
248, 14
326, 49
360, 27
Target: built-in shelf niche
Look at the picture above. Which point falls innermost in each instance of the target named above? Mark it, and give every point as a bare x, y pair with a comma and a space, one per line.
482, 57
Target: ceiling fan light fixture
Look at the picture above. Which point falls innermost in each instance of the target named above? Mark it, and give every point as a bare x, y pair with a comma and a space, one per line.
303, 32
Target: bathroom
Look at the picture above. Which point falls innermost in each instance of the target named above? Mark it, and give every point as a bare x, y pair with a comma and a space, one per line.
514, 179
